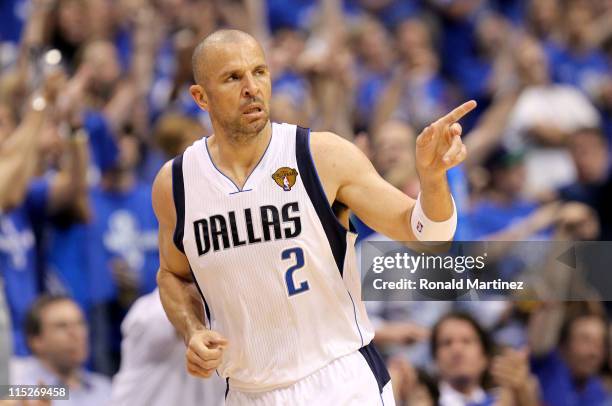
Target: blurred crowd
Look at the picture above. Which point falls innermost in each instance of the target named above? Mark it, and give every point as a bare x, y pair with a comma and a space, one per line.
94, 99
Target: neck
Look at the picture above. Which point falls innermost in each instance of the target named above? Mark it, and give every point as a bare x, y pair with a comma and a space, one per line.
237, 157
501, 197
464, 386
69, 376
119, 180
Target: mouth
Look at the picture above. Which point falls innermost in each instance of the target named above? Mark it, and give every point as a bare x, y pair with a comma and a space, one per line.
253, 110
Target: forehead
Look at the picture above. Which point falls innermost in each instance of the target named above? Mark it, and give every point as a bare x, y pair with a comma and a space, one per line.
456, 328
226, 57
60, 310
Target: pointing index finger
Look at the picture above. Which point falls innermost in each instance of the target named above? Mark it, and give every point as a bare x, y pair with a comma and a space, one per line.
459, 112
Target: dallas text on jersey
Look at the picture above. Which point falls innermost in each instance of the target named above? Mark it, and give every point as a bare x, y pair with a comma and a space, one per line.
213, 232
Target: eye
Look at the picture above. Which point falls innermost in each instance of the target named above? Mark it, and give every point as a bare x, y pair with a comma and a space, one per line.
232, 77
260, 71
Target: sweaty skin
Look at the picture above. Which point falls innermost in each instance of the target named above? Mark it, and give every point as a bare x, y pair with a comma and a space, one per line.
233, 85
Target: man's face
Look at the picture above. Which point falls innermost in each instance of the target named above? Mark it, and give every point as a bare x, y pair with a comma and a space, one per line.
585, 348
510, 180
63, 338
394, 153
460, 357
235, 88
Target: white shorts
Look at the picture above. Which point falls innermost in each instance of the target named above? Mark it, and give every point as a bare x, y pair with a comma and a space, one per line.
357, 379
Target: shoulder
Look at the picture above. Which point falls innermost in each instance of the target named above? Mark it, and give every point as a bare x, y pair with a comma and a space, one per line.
161, 191
326, 141
331, 151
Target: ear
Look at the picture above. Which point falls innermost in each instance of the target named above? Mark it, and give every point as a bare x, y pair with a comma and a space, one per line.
35, 344
199, 96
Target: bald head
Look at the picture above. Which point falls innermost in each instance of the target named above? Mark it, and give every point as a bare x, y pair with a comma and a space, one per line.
220, 39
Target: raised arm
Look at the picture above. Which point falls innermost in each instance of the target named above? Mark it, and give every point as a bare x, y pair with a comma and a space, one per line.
176, 287
18, 159
349, 177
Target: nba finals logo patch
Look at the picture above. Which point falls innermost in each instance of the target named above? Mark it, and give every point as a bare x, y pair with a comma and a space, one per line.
285, 177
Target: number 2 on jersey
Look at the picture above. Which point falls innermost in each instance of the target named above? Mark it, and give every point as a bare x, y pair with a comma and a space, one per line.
299, 263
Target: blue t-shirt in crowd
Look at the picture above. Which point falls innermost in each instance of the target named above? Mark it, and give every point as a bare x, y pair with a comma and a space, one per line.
18, 257
102, 145
12, 16
123, 228
67, 263
585, 71
487, 217
557, 384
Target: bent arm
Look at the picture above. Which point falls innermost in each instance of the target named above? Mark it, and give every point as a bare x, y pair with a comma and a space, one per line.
176, 286
18, 158
349, 177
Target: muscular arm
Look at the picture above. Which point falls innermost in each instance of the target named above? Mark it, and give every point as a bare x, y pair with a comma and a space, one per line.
176, 286
351, 178
348, 176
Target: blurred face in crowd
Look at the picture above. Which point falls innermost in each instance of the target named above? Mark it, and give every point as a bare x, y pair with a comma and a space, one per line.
129, 153
63, 336
543, 15
286, 48
412, 36
590, 153
532, 64
585, 348
492, 33
374, 44
102, 58
233, 84
50, 144
7, 122
394, 152
510, 181
72, 20
578, 21
460, 357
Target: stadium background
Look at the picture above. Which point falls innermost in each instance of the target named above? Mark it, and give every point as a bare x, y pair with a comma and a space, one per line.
76, 211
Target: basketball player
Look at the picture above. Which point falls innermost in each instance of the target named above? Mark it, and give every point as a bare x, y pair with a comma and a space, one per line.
256, 217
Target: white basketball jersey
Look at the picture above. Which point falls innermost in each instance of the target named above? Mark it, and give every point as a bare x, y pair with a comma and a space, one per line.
276, 269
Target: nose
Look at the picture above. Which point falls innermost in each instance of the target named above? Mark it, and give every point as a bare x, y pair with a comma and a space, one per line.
250, 88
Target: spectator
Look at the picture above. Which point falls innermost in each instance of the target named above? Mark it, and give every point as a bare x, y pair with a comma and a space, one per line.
568, 355
122, 250
153, 362
544, 116
56, 332
503, 213
589, 149
31, 201
462, 351
576, 60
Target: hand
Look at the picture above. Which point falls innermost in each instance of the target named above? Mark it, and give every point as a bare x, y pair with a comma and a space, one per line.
511, 369
439, 146
204, 352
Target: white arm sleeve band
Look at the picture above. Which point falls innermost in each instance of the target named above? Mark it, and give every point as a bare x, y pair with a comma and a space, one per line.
425, 229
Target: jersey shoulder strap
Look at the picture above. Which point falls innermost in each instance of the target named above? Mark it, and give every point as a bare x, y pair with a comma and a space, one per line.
335, 232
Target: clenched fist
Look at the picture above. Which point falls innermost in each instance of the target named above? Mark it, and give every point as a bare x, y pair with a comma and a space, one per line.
204, 353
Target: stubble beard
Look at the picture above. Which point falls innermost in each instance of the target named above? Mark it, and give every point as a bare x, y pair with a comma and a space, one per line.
241, 133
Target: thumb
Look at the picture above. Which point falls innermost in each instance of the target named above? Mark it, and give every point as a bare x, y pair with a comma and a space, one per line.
217, 340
